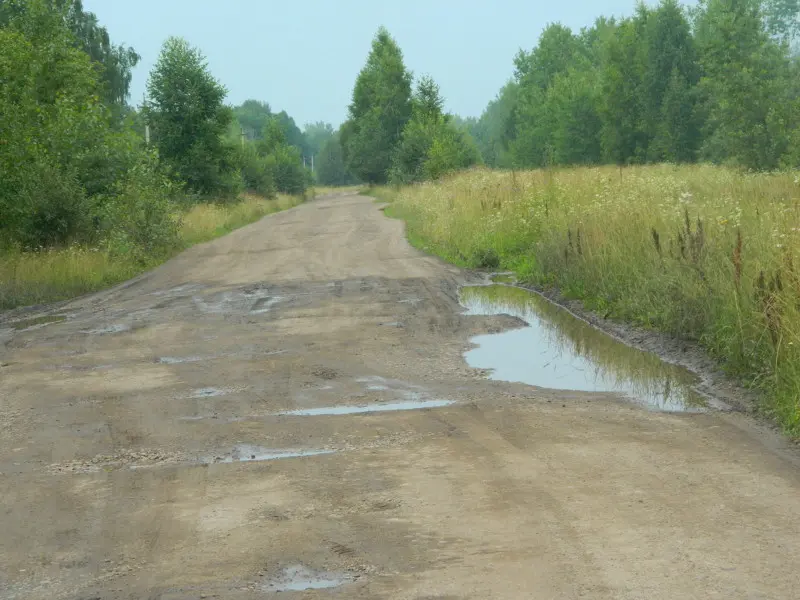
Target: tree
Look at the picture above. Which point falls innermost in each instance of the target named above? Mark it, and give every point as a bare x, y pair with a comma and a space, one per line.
783, 18
431, 145
380, 109
189, 119
491, 132
670, 75
252, 116
116, 61
557, 51
745, 84
69, 172
317, 135
330, 164
622, 92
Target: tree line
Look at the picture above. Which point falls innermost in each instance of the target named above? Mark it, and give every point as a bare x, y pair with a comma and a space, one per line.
74, 163
718, 82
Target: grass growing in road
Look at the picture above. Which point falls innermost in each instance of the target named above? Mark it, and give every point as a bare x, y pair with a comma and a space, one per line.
58, 274
706, 253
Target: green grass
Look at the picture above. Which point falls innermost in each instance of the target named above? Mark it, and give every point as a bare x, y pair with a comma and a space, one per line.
28, 278
709, 254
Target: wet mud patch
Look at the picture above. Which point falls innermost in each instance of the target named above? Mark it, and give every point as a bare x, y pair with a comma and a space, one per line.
111, 462
557, 350
108, 329
299, 578
36, 322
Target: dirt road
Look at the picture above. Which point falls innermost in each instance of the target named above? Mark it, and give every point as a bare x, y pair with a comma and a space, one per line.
134, 439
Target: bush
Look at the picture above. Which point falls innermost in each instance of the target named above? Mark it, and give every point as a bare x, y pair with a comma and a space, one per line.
256, 174
288, 173
140, 219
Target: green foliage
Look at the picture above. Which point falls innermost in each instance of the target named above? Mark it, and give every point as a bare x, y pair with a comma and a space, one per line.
491, 130
139, 219
285, 164
317, 135
71, 173
330, 165
431, 145
654, 87
256, 174
39, 17
380, 108
189, 119
252, 116
744, 84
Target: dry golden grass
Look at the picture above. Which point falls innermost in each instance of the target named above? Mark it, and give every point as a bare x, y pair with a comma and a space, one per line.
39, 277
205, 222
703, 252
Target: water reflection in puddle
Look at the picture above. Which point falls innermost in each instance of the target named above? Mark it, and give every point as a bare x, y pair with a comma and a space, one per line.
355, 410
560, 351
297, 578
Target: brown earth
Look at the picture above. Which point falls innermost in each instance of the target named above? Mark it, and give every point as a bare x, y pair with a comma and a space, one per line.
116, 424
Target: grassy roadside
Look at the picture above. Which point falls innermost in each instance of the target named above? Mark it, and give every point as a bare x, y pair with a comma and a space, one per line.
706, 253
28, 278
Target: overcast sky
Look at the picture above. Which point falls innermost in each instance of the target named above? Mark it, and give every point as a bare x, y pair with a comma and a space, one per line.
303, 56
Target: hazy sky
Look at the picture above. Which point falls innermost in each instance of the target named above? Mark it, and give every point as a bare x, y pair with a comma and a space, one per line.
302, 56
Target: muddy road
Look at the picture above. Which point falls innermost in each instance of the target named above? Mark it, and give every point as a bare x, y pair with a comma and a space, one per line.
287, 412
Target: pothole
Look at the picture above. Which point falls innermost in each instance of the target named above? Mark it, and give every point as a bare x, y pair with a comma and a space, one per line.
297, 578
559, 351
251, 453
372, 408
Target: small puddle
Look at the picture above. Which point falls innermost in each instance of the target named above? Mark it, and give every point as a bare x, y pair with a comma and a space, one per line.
37, 322
250, 453
298, 578
356, 410
117, 328
209, 392
179, 360
559, 351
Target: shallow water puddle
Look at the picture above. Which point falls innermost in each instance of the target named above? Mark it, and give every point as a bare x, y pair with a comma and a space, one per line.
559, 351
210, 392
250, 453
372, 408
298, 578
117, 328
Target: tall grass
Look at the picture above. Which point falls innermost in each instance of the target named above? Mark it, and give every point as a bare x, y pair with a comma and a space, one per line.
58, 274
706, 253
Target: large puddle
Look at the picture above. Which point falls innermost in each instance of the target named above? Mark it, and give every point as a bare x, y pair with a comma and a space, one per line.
559, 351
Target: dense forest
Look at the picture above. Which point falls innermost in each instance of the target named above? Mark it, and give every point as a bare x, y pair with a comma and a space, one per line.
715, 83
